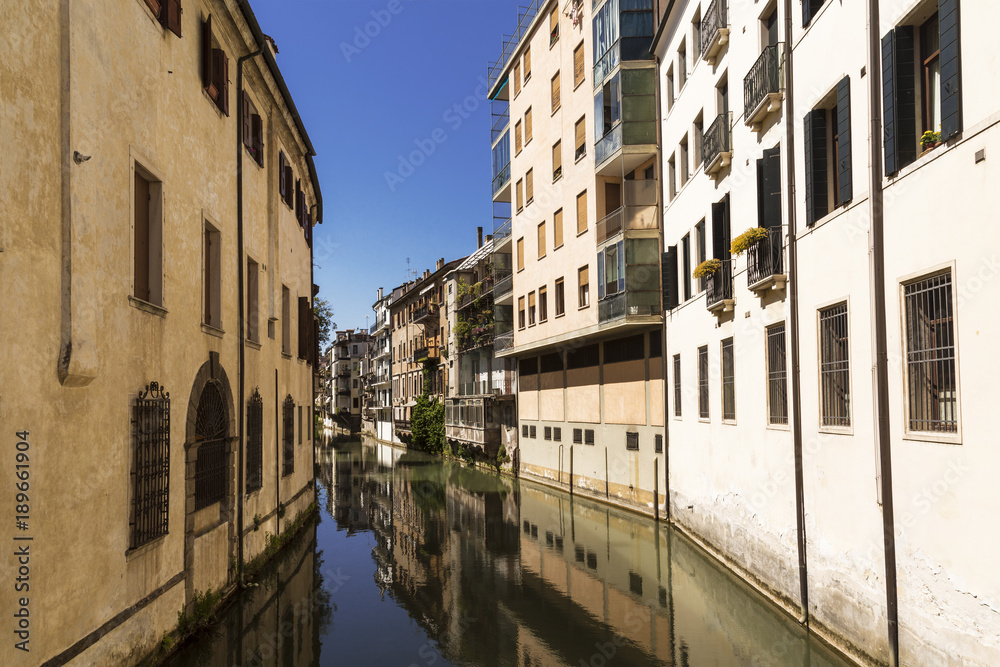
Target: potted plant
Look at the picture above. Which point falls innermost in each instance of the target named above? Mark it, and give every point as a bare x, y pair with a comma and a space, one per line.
707, 268
746, 240
929, 140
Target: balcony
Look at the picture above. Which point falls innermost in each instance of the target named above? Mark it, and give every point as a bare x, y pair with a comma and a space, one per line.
639, 212
501, 232
764, 86
428, 312
524, 18
765, 263
503, 341
719, 289
487, 387
465, 421
478, 337
631, 140
425, 352
715, 30
642, 306
501, 184
717, 145
402, 425
476, 291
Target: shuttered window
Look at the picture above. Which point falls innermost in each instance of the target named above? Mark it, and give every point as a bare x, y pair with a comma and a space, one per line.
898, 104
583, 280
581, 139
214, 68
669, 278
168, 12
581, 212
517, 78
517, 137
951, 68
768, 191
555, 92
253, 129
541, 240
520, 253
527, 125
578, 71
560, 297
557, 229
557, 160
529, 190
520, 319
520, 195
721, 232
531, 309
527, 64
554, 26
845, 187
817, 200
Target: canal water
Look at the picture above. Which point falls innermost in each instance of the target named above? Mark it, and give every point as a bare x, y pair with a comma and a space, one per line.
417, 561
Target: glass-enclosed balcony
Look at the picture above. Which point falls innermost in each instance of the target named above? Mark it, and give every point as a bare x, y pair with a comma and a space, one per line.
625, 121
623, 32
503, 326
501, 225
628, 281
501, 168
638, 212
503, 276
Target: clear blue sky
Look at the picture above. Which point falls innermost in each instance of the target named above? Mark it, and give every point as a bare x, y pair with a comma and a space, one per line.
365, 101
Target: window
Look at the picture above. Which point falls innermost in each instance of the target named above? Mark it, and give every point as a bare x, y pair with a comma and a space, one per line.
541, 240
611, 270
658, 443
698, 134
524, 434
682, 157
686, 265
520, 253
777, 378
699, 232
520, 195
560, 297
581, 139
517, 78
682, 65
253, 314
548, 433
827, 131
288, 436
253, 130
285, 180
150, 465
578, 69
517, 137
671, 178
670, 88
543, 304
809, 9
557, 229
696, 37
211, 432
554, 26
300, 420
578, 436
581, 212
529, 189
306, 329
728, 381
930, 74
147, 242
556, 102
588, 436
168, 12
212, 276
632, 441
703, 382
286, 321
255, 442
931, 379
631, 348
531, 309
520, 312
556, 161
557, 434
583, 280
214, 68
607, 107
834, 367
677, 385
533, 431
527, 126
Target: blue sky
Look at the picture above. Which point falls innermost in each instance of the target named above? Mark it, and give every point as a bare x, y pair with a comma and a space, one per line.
368, 100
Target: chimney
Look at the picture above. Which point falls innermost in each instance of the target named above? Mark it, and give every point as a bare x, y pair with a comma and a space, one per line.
479, 237
439, 265
427, 274
379, 294
489, 237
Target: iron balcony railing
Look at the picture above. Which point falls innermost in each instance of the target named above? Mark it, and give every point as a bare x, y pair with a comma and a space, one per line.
717, 139
503, 341
476, 292
765, 77
425, 312
501, 179
765, 258
501, 230
497, 385
719, 285
403, 424
716, 17
524, 18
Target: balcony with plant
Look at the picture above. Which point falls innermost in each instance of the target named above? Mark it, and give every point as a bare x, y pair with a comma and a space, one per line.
718, 277
765, 258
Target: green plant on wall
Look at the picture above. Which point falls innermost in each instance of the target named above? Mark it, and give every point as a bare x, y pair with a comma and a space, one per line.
745, 241
427, 425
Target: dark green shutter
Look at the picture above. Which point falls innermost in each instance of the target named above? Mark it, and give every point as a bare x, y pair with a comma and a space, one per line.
721, 239
844, 141
817, 201
899, 112
769, 188
668, 270
951, 69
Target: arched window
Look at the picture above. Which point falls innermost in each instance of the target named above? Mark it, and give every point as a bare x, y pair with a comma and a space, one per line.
212, 439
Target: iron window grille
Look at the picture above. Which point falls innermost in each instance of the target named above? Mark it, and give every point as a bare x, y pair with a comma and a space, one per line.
658, 443
578, 436
150, 465
534, 431
211, 432
677, 385
255, 442
548, 432
524, 430
288, 436
931, 379
632, 441
777, 375
557, 434
703, 382
834, 367
588, 436
728, 381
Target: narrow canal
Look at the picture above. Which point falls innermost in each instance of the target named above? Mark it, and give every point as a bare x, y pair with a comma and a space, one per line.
417, 561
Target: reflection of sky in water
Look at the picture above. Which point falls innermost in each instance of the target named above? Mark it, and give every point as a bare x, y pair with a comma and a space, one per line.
425, 562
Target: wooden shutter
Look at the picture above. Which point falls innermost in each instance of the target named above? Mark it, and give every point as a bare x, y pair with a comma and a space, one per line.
517, 137
555, 92
207, 80
898, 99
224, 83
581, 212
171, 16
520, 194
529, 190
817, 202
517, 77
282, 183
303, 326
298, 200
527, 126
288, 184
844, 166
520, 253
578, 65
557, 229
768, 190
581, 137
257, 130
245, 119
668, 269
154, 6
951, 69
141, 238
527, 63
557, 160
553, 25
541, 240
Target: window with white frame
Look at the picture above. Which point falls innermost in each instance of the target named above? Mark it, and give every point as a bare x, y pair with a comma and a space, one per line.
834, 367
931, 375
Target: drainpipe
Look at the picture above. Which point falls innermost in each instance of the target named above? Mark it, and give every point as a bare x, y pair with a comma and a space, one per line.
663, 313
877, 252
793, 294
243, 302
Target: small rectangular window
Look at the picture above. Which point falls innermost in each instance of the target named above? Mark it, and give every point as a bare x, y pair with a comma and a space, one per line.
553, 26
517, 137
529, 188
931, 375
556, 160
777, 376
556, 93
578, 66
560, 297
520, 312
658, 443
703, 412
286, 320
578, 436
212, 276
557, 229
581, 212
527, 126
728, 381
543, 304
588, 436
834, 363
581, 138
548, 432
541, 240
520, 195
147, 237
520, 253
677, 385
557, 434
517, 78
253, 314
531, 309
583, 279
632, 441
533, 432
527, 63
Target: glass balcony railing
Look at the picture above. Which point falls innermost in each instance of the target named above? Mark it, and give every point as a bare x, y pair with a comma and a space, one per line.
503, 341
502, 178
639, 212
501, 231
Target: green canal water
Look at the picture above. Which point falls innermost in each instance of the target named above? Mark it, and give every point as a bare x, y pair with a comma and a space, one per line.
417, 561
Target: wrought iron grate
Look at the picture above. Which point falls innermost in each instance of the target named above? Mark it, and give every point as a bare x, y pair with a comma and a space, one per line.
728, 381
211, 434
932, 383
255, 442
677, 385
834, 364
150, 465
777, 375
703, 382
288, 436
632, 441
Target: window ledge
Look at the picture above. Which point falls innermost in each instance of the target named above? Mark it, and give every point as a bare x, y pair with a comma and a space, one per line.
779, 427
579, 234
286, 355
147, 307
555, 110
937, 438
577, 85
131, 554
729, 422
212, 331
249, 342
584, 307
577, 160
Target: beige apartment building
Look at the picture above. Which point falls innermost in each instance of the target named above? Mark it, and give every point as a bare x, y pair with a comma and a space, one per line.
160, 345
576, 165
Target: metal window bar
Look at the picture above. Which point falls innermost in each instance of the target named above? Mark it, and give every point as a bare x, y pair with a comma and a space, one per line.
932, 384
716, 139
715, 18
632, 441
211, 434
557, 434
677, 385
533, 430
150, 465
525, 15
703, 382
255, 442
588, 436
765, 258
765, 77
719, 285
658, 443
548, 432
287, 435
728, 381
578, 436
777, 375
835, 395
